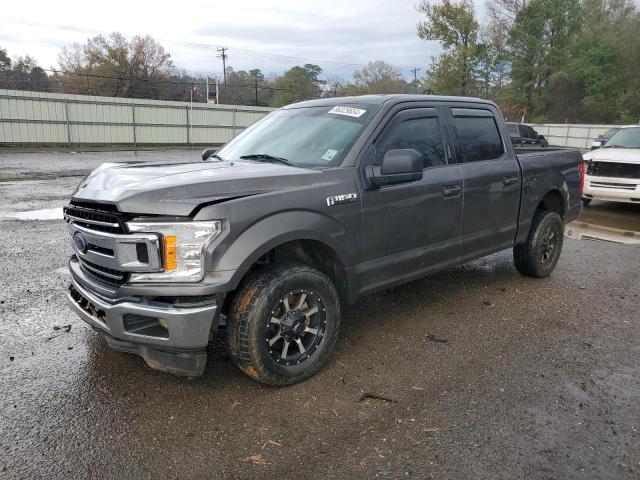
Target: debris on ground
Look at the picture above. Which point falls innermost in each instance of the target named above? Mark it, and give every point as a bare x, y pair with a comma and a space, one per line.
270, 442
434, 339
61, 329
257, 459
431, 429
375, 396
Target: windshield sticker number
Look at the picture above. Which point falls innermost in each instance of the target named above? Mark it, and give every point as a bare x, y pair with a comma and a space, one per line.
329, 154
348, 111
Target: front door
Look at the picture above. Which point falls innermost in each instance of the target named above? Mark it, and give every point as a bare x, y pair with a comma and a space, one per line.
411, 228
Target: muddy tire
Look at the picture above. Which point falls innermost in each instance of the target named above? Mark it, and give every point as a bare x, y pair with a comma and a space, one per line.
283, 323
538, 256
586, 202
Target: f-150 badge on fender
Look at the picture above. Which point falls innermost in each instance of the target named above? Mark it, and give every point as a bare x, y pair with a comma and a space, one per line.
345, 198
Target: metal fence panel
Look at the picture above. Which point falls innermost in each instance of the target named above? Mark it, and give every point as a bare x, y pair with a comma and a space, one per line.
28, 118
567, 135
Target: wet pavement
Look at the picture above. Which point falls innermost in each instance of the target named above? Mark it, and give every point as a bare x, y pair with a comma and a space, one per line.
490, 375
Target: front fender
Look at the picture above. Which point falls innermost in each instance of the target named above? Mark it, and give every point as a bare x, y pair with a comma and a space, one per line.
269, 232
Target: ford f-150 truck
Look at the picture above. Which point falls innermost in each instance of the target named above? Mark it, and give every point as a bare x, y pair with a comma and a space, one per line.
313, 206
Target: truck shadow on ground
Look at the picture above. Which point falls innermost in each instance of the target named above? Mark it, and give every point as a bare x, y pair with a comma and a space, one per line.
397, 309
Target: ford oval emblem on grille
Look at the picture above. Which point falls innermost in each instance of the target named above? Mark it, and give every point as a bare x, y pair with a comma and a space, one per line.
80, 242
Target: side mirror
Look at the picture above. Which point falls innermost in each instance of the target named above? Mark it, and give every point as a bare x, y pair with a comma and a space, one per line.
398, 166
207, 153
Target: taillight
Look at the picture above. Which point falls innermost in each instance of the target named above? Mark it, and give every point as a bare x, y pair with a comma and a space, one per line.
582, 169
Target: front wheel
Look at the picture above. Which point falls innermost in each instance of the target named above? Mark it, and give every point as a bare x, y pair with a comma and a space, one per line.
283, 323
538, 256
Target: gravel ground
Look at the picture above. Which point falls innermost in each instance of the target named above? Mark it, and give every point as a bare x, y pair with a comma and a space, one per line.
489, 375
51, 164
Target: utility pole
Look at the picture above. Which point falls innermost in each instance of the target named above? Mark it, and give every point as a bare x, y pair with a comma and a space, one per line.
415, 77
224, 56
207, 101
255, 84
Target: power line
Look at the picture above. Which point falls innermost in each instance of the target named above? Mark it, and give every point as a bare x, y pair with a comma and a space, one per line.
256, 53
170, 81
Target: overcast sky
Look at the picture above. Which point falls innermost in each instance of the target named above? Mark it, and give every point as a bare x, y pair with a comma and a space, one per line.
338, 35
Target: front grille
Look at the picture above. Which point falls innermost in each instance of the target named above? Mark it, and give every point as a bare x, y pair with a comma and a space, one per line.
617, 186
102, 218
613, 169
104, 274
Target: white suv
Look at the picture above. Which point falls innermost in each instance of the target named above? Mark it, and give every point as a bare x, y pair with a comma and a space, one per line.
613, 171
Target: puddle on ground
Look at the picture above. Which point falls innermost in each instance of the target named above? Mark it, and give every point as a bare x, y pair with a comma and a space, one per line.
586, 231
44, 214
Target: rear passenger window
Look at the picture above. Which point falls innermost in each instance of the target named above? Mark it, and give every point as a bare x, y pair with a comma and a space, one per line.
421, 134
478, 135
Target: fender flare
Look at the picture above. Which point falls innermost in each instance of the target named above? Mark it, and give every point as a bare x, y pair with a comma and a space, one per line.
273, 231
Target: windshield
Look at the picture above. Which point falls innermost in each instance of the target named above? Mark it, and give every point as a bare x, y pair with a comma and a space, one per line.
625, 138
305, 137
610, 133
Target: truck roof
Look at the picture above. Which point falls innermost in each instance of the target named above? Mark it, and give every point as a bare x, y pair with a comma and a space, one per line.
380, 99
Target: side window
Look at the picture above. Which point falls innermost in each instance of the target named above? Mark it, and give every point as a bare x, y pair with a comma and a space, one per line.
478, 135
421, 134
531, 133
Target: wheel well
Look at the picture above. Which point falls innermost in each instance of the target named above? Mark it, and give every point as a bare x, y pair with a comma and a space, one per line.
553, 202
310, 252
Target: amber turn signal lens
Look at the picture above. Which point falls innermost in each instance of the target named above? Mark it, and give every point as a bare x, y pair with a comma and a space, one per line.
170, 253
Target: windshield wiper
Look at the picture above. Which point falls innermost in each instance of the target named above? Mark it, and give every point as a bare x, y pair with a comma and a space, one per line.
266, 158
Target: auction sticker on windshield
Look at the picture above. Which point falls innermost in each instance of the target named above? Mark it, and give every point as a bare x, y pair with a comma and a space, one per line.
329, 154
348, 111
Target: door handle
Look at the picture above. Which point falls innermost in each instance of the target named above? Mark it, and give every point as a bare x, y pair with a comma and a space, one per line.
509, 181
451, 191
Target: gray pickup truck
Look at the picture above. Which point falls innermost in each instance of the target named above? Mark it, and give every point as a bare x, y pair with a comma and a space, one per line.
314, 206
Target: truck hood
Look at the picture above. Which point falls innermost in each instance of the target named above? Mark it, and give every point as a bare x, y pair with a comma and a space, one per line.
177, 189
619, 155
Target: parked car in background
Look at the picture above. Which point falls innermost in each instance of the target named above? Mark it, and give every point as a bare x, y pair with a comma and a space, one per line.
613, 171
601, 139
525, 136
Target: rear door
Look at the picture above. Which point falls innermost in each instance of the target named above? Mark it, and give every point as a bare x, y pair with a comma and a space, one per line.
491, 182
411, 228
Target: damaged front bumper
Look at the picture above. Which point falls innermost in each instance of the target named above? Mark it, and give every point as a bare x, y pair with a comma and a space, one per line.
171, 337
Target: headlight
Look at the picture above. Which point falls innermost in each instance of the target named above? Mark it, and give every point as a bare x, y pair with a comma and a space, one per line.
183, 247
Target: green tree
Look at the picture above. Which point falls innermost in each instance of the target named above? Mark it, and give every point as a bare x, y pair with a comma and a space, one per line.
23, 73
454, 25
540, 42
297, 84
5, 61
114, 66
377, 77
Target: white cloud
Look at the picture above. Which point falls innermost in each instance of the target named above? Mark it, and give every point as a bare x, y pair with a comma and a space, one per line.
259, 34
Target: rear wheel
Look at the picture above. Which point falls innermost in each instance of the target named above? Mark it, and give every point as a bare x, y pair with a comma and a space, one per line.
283, 323
538, 256
586, 202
